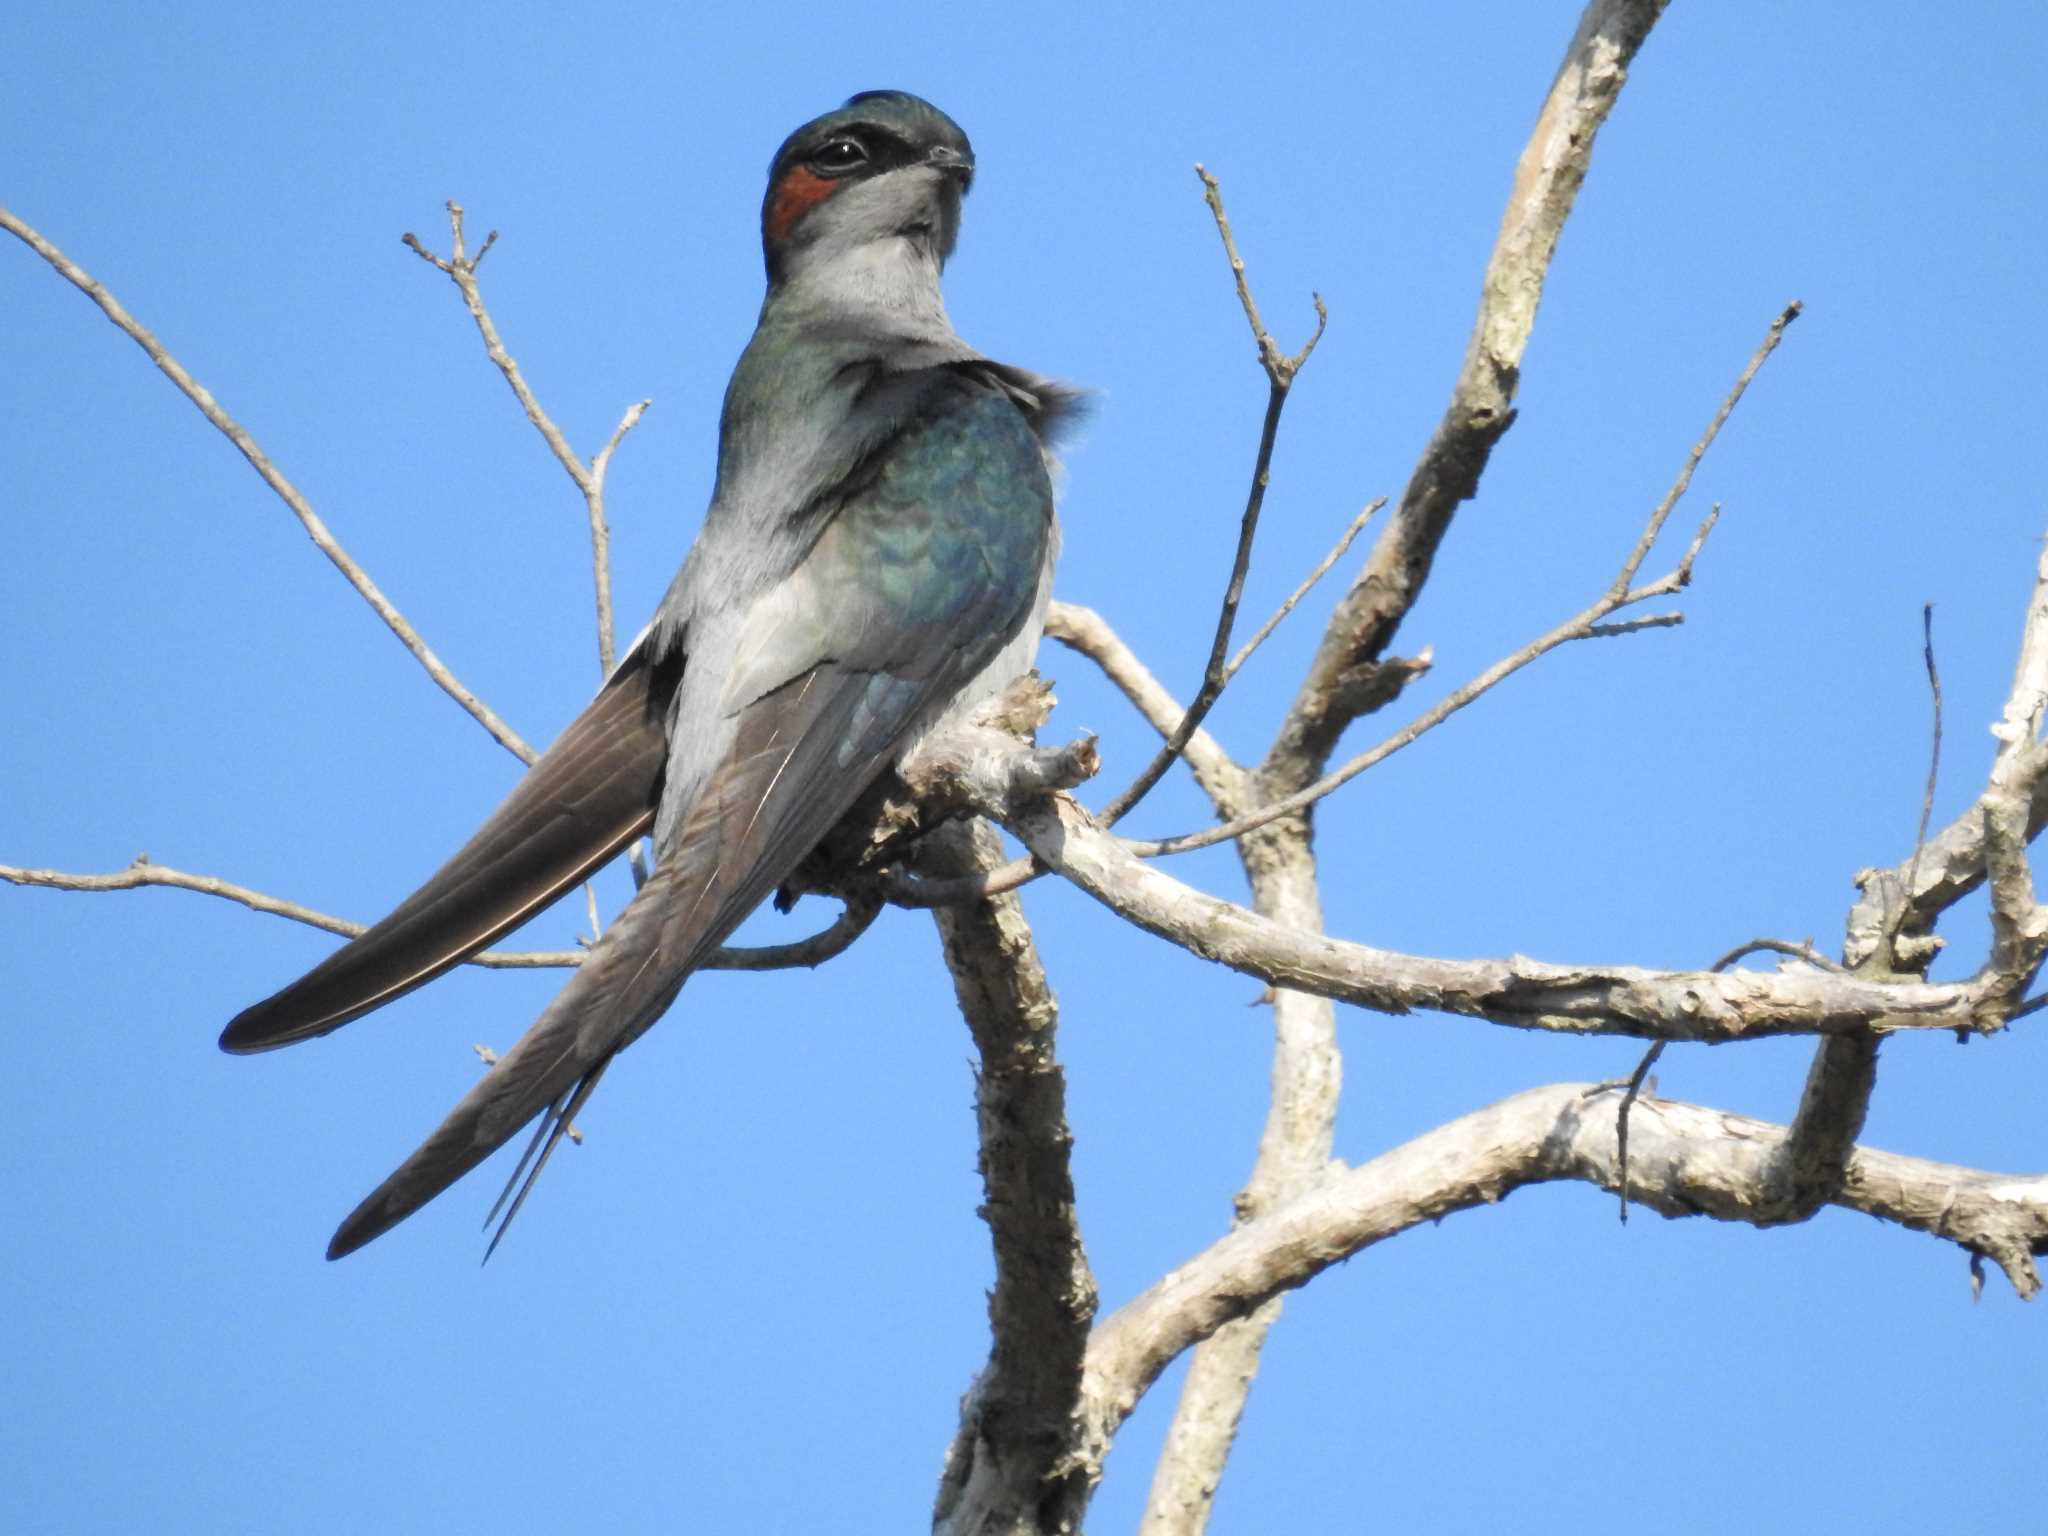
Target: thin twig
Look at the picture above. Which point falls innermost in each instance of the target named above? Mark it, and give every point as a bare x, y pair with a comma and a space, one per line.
1213, 675
922, 892
460, 269
1280, 373
1322, 569
1655, 526
601, 536
1634, 626
1280, 368
860, 911
273, 477
1934, 750
1699, 540
1834, 1103
1588, 624
1554, 163
143, 873
1805, 951
1087, 632
908, 892
1579, 627
1628, 1099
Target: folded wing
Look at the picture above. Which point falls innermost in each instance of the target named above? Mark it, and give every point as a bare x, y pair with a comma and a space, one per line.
587, 798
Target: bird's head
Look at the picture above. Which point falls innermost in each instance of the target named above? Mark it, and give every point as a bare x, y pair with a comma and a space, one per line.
886, 167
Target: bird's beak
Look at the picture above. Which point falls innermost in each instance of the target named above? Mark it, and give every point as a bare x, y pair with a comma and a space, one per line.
960, 167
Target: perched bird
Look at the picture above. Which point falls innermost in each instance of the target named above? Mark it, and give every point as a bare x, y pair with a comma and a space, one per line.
878, 553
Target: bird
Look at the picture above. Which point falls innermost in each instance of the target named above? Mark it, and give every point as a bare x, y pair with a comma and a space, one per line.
876, 558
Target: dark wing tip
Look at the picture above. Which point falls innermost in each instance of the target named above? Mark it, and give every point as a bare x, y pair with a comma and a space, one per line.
305, 1010
255, 1029
364, 1225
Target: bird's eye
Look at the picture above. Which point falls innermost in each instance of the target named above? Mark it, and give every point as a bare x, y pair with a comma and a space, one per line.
838, 156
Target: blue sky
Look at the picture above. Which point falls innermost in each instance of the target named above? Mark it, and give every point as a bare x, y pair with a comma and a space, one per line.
752, 1299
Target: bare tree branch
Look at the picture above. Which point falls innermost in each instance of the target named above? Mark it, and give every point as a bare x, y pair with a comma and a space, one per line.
855, 918
273, 477
2020, 724
1590, 623
1801, 951
1517, 991
1383, 678
861, 909
1307, 1078
601, 534
1690, 1161
1086, 631
1900, 905
1631, 1091
1949, 867
1280, 369
1934, 745
1322, 568
1481, 408
1625, 578
2019, 924
460, 268
1009, 1464
1834, 1103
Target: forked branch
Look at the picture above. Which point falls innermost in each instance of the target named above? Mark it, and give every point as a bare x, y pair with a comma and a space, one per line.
461, 268
273, 477
1689, 1160
1280, 369
1546, 183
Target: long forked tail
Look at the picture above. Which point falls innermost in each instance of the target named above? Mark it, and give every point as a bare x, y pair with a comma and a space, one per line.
622, 985
556, 1121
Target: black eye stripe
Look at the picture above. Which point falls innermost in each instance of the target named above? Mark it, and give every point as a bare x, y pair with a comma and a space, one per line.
839, 154
877, 148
